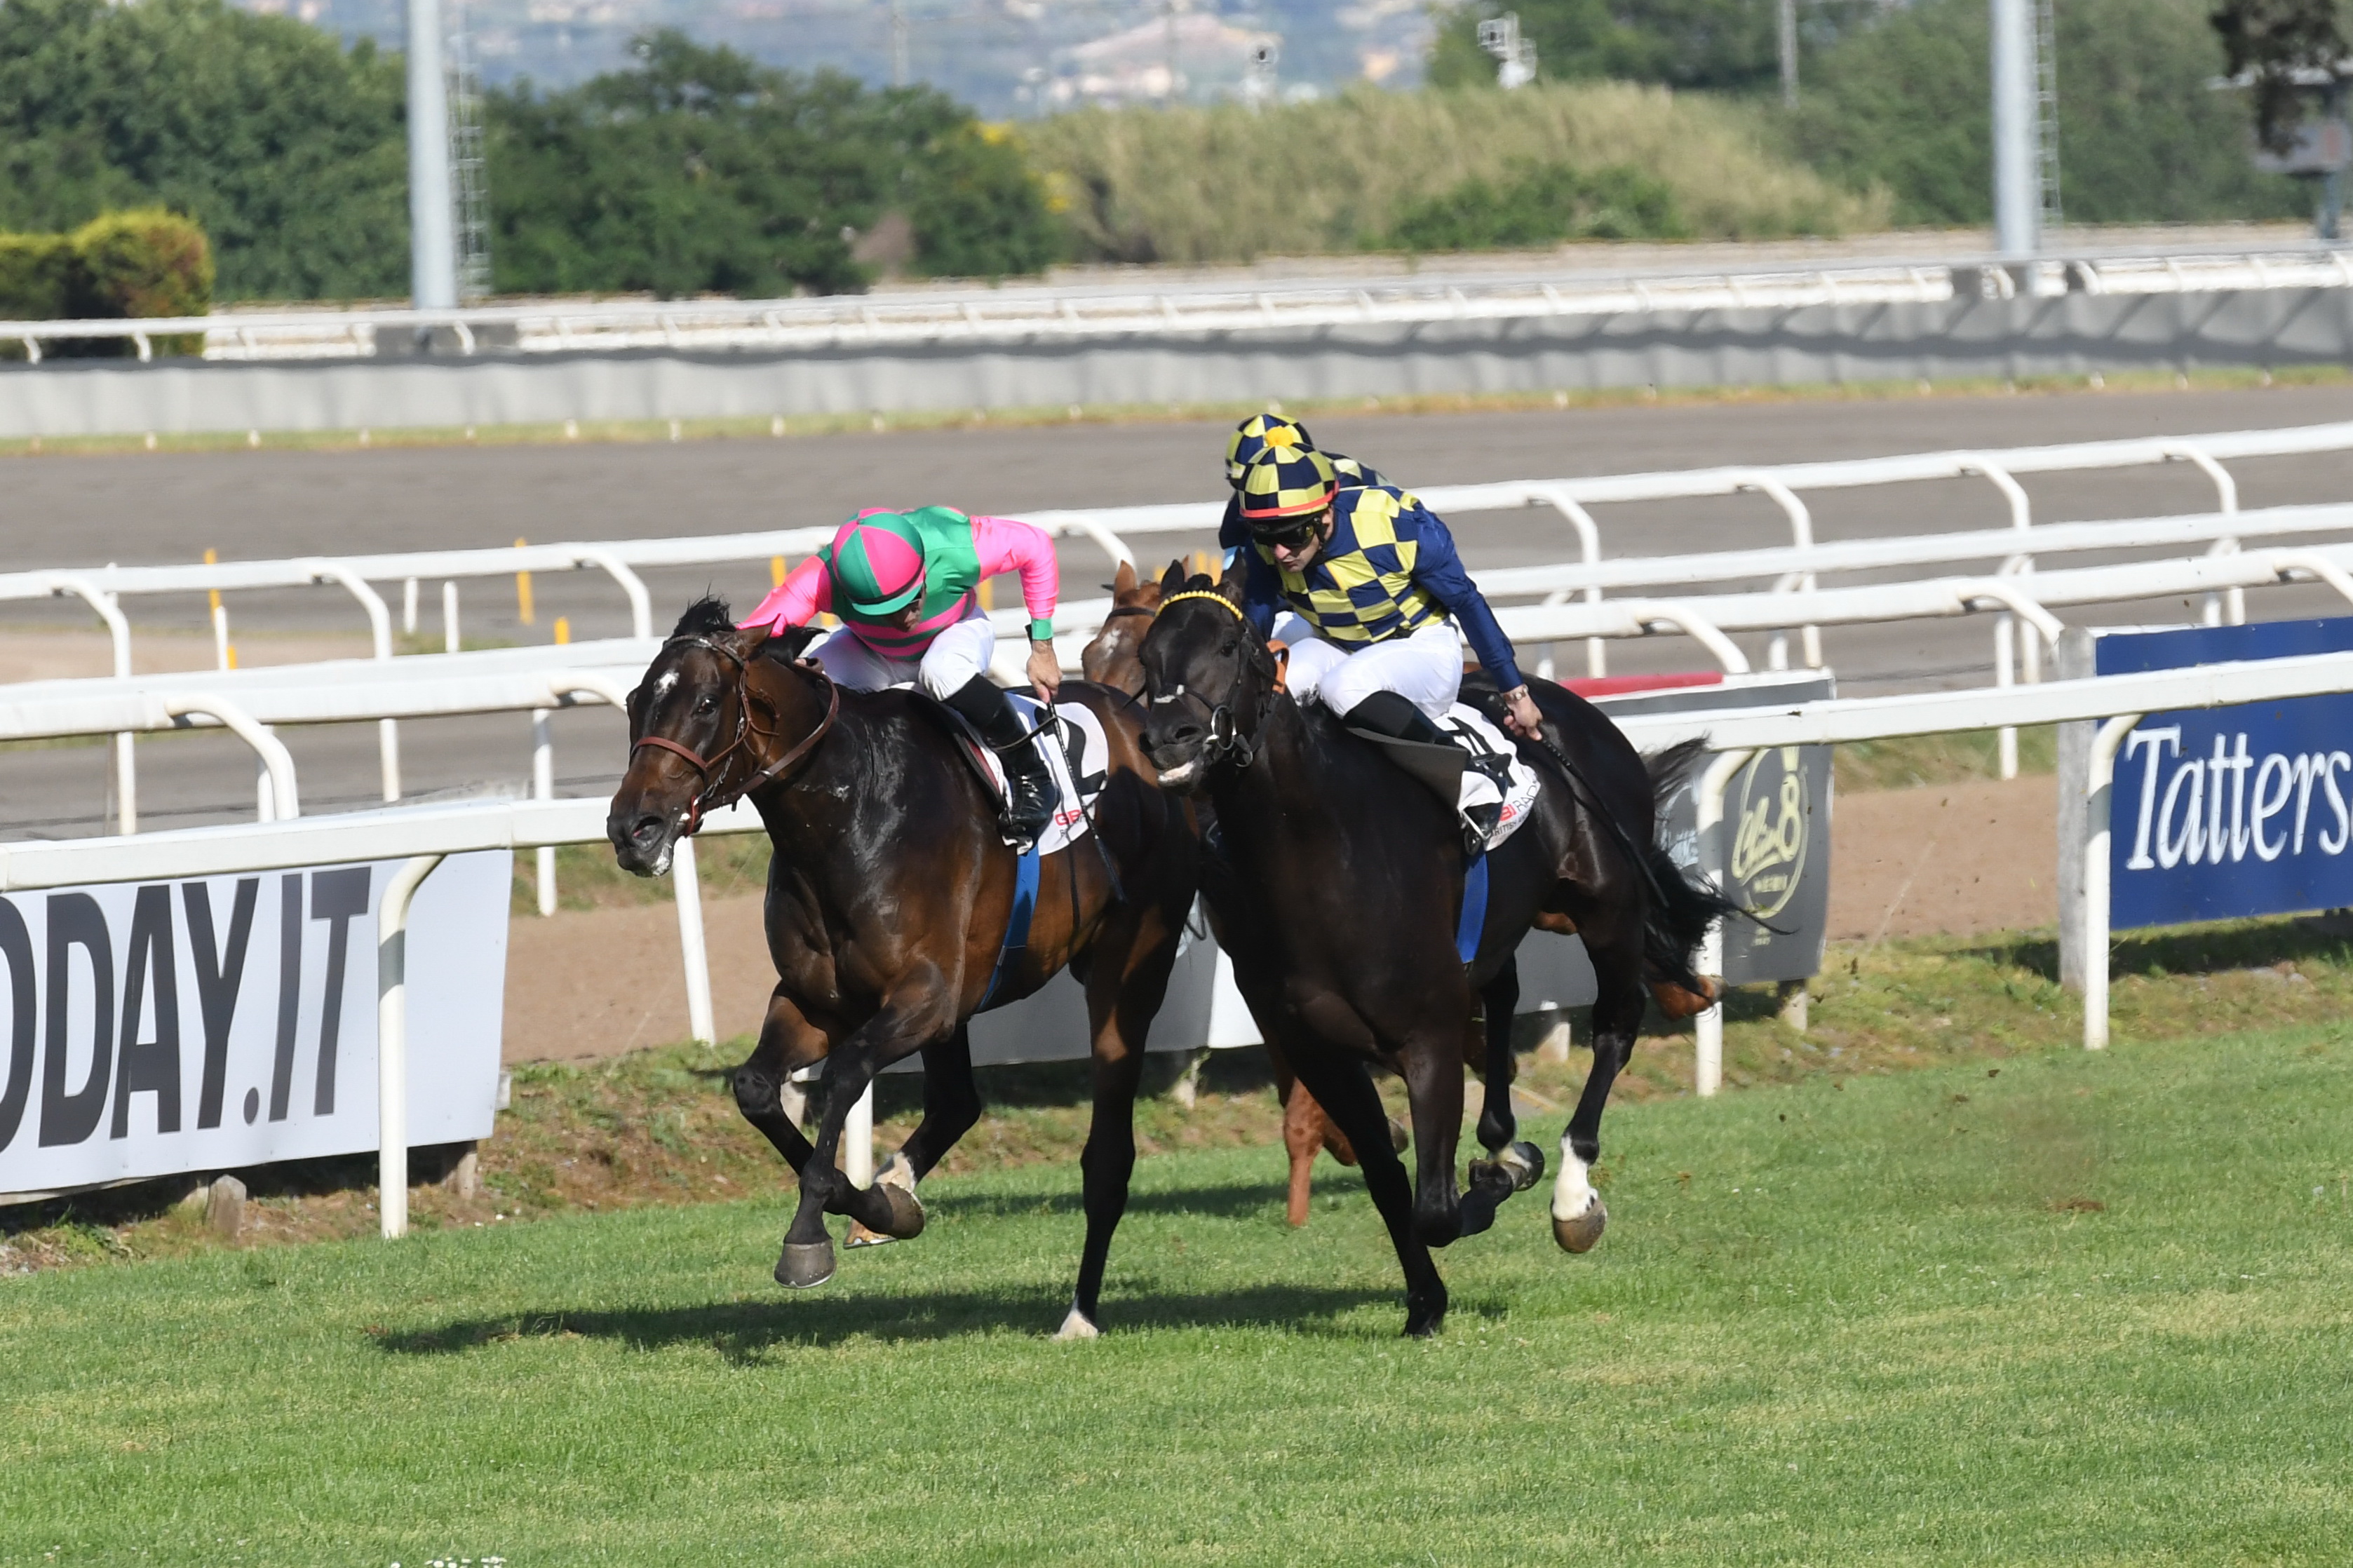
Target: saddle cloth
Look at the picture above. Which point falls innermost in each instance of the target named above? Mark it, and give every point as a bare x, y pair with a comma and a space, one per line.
1493, 754
1078, 759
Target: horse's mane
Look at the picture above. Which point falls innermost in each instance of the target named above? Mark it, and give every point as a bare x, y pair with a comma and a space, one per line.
704, 617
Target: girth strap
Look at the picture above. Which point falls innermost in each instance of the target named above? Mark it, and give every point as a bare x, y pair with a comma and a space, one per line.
1016, 925
1473, 922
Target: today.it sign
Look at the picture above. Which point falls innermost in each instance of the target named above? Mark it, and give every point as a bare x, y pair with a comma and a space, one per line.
2224, 811
220, 1022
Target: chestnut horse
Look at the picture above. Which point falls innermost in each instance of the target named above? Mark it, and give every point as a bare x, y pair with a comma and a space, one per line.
1342, 882
890, 897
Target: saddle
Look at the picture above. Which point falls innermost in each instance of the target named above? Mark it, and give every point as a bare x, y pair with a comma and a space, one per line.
1071, 738
1482, 768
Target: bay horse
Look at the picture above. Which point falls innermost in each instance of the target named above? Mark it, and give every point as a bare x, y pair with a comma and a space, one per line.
1341, 881
1110, 659
889, 899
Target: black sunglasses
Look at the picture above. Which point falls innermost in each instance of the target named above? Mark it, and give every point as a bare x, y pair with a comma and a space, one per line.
1289, 534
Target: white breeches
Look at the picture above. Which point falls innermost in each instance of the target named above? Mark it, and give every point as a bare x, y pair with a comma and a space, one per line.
1424, 668
956, 655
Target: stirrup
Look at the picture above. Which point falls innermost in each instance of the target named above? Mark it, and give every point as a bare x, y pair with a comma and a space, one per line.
1479, 824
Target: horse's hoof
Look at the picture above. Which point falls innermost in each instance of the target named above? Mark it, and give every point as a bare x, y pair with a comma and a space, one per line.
803, 1265
907, 1208
1076, 1327
1424, 1325
1578, 1235
860, 1236
1525, 1162
1398, 1137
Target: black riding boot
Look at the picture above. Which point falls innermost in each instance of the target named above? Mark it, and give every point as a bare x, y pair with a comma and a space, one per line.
1030, 786
1388, 713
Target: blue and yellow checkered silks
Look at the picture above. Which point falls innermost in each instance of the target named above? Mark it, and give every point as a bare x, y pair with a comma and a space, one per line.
1260, 432
1360, 588
1283, 483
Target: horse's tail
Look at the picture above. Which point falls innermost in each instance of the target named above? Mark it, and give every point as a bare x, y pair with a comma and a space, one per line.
1687, 905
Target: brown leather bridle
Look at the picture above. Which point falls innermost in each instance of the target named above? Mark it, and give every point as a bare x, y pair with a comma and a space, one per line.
716, 795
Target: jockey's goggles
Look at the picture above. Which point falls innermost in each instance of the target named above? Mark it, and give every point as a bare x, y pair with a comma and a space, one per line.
1286, 532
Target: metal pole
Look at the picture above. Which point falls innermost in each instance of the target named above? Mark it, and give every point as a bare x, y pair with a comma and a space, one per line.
688, 886
1707, 1028
432, 228
392, 1045
2016, 166
2098, 790
857, 1141
542, 787
1788, 54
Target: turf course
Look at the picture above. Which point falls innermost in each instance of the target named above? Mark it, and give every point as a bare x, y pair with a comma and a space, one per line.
2090, 1310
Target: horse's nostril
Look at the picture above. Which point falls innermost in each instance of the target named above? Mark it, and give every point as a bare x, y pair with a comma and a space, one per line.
649, 828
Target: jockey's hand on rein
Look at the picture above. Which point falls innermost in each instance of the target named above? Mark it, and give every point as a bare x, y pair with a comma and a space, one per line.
1521, 715
1045, 670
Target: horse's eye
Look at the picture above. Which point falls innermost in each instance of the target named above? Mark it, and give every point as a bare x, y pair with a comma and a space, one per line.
707, 705
1230, 648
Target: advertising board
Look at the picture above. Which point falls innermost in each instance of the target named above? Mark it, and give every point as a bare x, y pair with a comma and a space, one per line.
220, 1022
2226, 812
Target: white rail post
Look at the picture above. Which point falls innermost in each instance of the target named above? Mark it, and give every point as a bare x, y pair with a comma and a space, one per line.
1801, 534
688, 885
2226, 501
118, 631
448, 618
857, 1141
641, 613
2005, 659
1588, 546
2098, 791
392, 1045
542, 787
1707, 1028
409, 606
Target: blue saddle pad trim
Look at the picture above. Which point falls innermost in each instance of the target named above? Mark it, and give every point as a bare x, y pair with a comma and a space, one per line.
1474, 909
1024, 905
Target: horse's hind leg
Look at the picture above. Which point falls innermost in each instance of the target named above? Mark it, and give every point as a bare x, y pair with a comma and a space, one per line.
1126, 981
1498, 1127
788, 1042
1577, 1213
1346, 1093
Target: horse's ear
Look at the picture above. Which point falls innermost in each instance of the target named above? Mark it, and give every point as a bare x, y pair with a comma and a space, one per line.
1124, 580
1172, 580
1232, 583
791, 642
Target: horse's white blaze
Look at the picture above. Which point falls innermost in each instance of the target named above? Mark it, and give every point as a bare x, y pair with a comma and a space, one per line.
1572, 1194
664, 687
661, 861
1076, 1327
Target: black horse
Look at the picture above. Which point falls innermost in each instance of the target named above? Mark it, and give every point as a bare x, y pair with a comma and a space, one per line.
889, 900
1342, 881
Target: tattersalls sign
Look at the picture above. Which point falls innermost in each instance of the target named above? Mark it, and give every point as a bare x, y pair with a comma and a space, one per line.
150, 1028
2219, 813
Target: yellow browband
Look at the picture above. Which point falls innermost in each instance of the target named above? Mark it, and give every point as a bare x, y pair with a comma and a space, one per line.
1214, 597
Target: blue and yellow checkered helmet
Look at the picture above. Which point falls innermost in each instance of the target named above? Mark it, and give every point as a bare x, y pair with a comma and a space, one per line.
1281, 484
1264, 433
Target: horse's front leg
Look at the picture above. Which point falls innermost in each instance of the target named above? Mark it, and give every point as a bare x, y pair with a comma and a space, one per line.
921, 1009
1521, 1162
1127, 979
1432, 1067
788, 1042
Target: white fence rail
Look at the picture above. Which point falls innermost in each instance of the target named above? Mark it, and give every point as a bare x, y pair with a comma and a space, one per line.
974, 315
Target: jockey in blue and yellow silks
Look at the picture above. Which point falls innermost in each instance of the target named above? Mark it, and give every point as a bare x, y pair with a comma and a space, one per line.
1265, 432
1374, 589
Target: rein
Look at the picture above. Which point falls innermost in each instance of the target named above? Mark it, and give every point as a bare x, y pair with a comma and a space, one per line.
1226, 740
719, 797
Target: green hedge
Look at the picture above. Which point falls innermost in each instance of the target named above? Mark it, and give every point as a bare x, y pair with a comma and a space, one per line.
120, 266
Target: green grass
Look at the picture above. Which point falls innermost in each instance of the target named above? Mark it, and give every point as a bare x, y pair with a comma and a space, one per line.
2071, 1309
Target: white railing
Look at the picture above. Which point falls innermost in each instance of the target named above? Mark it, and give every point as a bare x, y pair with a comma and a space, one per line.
2117, 701
970, 314
1111, 528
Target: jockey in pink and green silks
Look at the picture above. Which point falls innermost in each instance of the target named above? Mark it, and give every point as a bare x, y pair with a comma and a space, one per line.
906, 585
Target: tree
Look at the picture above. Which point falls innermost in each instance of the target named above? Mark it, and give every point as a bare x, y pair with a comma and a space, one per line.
701, 171
2142, 137
284, 147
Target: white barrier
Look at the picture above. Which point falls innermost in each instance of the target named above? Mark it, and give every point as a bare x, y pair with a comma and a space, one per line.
2116, 701
1109, 526
1080, 312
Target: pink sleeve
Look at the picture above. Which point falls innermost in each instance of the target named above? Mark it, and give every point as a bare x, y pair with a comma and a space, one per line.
794, 602
1004, 545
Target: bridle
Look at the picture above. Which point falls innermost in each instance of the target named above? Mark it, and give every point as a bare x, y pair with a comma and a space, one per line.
716, 795
1226, 741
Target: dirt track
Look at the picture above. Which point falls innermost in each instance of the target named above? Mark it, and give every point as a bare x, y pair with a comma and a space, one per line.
1954, 858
